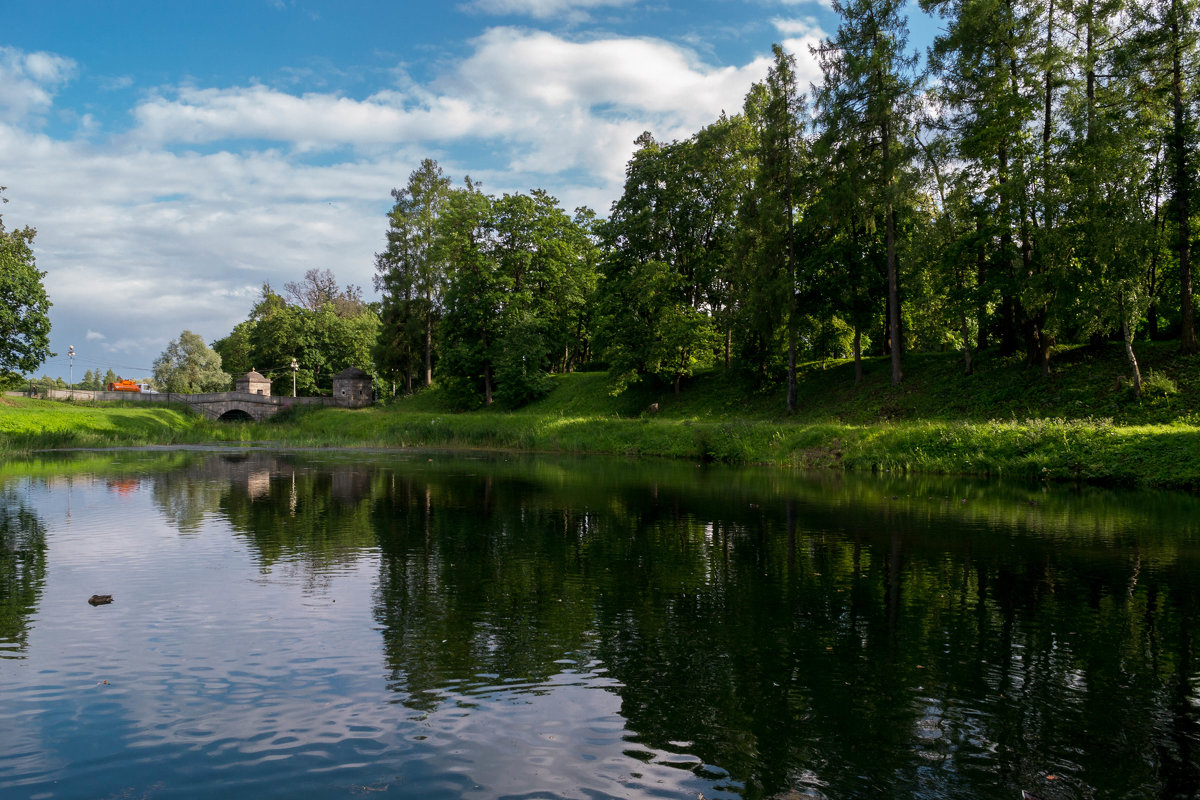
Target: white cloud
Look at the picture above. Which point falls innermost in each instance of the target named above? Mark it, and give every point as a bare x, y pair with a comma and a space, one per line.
544, 9
310, 120
28, 81
803, 26
135, 225
801, 37
578, 105
557, 104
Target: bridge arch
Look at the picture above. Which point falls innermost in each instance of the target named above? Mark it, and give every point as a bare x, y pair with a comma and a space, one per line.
236, 415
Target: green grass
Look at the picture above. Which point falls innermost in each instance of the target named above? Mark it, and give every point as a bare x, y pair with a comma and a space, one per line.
1079, 423
28, 424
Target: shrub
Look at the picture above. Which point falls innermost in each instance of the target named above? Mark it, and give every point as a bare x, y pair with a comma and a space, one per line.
1156, 384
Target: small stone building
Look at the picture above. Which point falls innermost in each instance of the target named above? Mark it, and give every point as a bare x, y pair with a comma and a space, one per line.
352, 388
253, 383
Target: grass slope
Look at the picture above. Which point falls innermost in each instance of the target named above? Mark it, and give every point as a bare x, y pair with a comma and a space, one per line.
38, 424
1080, 422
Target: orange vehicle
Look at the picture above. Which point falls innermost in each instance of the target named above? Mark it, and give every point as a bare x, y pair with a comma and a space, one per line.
124, 386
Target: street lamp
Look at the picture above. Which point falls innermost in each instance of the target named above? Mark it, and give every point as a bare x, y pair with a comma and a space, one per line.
71, 355
295, 367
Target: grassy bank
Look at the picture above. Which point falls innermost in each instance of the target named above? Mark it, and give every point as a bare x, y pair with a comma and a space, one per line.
1081, 422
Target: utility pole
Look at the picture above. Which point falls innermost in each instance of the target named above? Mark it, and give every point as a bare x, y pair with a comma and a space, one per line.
71, 373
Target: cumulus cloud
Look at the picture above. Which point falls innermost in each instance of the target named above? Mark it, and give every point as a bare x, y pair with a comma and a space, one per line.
801, 36
178, 222
311, 120
825, 3
172, 241
556, 103
28, 81
543, 9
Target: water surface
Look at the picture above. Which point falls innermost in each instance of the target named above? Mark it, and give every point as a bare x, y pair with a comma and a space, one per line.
428, 625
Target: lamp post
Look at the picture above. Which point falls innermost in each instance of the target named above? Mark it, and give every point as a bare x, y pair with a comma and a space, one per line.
295, 367
71, 375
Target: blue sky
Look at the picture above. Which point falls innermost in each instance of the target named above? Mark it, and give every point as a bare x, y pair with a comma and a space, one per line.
176, 156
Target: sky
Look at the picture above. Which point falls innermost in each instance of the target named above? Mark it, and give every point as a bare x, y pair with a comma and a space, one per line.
175, 157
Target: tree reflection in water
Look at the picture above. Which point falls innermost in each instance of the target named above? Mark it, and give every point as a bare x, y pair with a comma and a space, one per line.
22, 570
848, 643
853, 636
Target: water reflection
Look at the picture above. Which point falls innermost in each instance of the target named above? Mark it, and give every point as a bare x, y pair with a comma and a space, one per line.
22, 570
557, 628
855, 644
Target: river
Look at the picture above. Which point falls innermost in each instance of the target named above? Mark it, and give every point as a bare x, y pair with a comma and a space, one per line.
428, 625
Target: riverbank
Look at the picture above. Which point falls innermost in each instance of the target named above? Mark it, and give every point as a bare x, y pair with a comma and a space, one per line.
1080, 423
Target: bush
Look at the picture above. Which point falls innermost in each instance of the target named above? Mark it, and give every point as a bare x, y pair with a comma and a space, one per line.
1156, 384
521, 368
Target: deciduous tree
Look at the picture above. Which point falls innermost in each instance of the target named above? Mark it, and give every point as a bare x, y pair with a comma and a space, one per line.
24, 306
188, 365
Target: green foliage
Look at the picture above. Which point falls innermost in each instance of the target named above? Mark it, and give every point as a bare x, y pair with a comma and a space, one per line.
411, 273
521, 365
24, 306
770, 213
189, 365
1039, 192
663, 245
515, 276
236, 349
1158, 385
341, 332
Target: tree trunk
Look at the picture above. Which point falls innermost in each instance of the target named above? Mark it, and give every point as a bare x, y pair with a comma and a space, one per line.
1160, 221
1183, 247
893, 280
487, 372
981, 333
791, 272
858, 367
1127, 335
1008, 302
968, 369
429, 346
791, 390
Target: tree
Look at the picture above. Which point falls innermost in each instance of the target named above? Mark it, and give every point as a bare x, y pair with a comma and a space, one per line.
236, 349
188, 366
652, 307
1001, 67
519, 271
1170, 44
1110, 212
776, 110
319, 288
474, 298
868, 92
323, 340
24, 306
409, 272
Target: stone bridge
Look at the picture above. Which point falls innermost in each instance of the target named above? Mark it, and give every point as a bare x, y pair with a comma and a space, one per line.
214, 405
